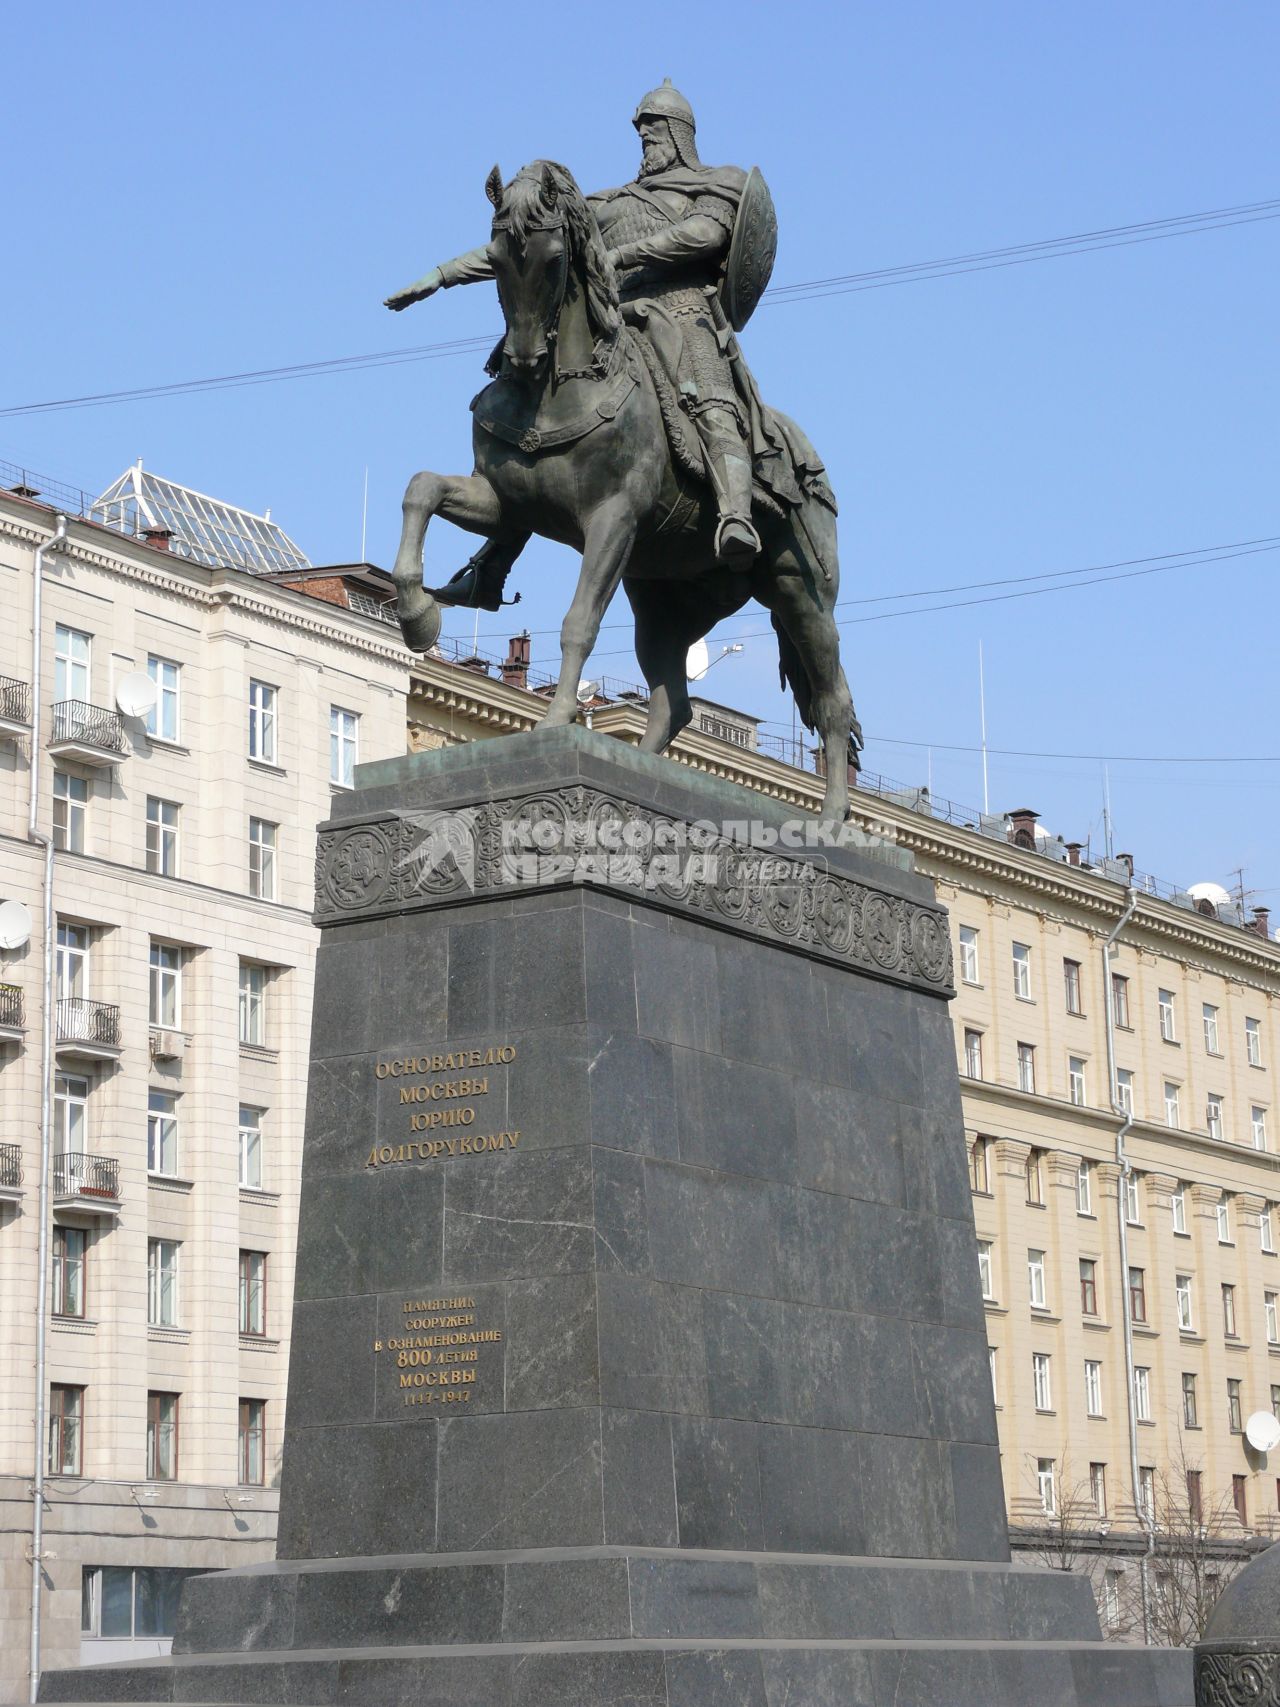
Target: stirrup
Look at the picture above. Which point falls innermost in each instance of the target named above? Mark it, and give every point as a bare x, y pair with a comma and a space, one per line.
473, 589
737, 542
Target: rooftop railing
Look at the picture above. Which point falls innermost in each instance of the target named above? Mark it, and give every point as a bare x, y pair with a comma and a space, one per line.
94, 725
81, 1020
78, 1175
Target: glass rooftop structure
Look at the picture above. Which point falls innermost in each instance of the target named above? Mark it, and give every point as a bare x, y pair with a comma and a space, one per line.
203, 529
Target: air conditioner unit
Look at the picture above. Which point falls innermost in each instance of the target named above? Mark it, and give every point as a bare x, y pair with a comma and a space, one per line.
167, 1045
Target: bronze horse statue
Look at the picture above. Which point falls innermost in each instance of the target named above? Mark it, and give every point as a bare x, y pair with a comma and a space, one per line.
570, 443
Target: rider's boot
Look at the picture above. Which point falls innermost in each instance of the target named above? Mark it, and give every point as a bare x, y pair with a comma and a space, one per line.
729, 465
478, 585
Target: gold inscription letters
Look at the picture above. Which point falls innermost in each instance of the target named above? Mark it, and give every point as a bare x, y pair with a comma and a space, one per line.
437, 1356
453, 1093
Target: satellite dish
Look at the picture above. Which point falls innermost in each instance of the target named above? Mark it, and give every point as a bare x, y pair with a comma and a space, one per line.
15, 924
136, 693
587, 691
1262, 1431
698, 661
1213, 893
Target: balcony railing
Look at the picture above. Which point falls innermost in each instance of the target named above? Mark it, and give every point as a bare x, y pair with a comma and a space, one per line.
10, 1166
91, 725
15, 700
76, 1175
83, 1021
13, 1011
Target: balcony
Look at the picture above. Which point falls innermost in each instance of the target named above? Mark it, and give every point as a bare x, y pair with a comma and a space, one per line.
88, 1184
15, 706
10, 1173
13, 1014
93, 734
88, 1029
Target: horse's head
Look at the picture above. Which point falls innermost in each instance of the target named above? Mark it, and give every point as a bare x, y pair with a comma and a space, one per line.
545, 248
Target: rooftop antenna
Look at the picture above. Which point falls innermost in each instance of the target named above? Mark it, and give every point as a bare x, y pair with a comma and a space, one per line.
982, 713
1108, 849
364, 515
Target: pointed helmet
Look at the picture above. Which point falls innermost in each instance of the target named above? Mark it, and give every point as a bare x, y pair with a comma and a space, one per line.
665, 103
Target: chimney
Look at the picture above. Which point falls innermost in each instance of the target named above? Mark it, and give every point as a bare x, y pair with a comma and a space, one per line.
1074, 850
1023, 833
1126, 860
1261, 921
158, 537
515, 666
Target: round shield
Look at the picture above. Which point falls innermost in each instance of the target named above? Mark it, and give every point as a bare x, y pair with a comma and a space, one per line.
752, 251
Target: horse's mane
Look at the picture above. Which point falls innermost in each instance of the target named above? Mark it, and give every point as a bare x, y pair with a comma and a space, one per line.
524, 204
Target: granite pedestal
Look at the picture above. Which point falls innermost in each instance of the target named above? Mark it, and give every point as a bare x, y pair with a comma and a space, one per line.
638, 1354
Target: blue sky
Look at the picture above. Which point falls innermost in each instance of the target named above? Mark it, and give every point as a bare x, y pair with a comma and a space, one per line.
199, 191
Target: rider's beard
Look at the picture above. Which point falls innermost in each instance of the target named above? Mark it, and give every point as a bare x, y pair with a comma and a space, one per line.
657, 157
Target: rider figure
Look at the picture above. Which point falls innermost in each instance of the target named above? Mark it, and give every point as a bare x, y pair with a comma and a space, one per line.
668, 234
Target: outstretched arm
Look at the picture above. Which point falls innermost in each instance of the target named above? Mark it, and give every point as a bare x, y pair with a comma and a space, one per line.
699, 237
464, 269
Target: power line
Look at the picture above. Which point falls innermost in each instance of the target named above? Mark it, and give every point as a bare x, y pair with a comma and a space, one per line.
808, 290
1100, 758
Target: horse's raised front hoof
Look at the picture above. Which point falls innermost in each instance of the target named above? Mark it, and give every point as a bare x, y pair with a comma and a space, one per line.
422, 630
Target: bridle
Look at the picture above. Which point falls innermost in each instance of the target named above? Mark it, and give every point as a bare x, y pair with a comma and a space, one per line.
554, 220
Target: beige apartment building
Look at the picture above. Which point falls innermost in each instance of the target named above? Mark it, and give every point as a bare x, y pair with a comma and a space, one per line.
1112, 1372
182, 953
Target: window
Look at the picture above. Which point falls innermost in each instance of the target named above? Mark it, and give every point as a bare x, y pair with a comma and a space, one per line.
1271, 1317
1229, 1310
1046, 1485
1138, 1294
253, 1292
1190, 1404
1133, 1198
993, 1372
1088, 1286
1111, 1600
972, 1053
1035, 1279
66, 1430
1098, 1488
250, 1147
69, 1246
1182, 1285
262, 722
70, 664
1027, 1069
1213, 1115
1253, 1042
162, 1133
1275, 1402
1167, 1027
1147, 1492
1239, 1499
968, 955
162, 1437
344, 727
131, 1600
70, 798
1084, 1189
1041, 1381
253, 1442
1195, 1496
162, 1283
1172, 1104
166, 985
1234, 1421
1071, 985
162, 836
1178, 1206
1266, 1230
985, 1271
1124, 1090
1258, 1126
1075, 1080
1093, 1387
979, 1174
1022, 971
1142, 1393
163, 720
1120, 999
1222, 1210
1210, 1014
253, 996
1035, 1177
262, 859
71, 965
70, 1114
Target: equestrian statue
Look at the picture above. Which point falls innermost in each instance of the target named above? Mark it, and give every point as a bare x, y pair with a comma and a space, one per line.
623, 421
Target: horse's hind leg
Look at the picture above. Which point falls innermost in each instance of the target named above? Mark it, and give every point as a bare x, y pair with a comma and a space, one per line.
467, 500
